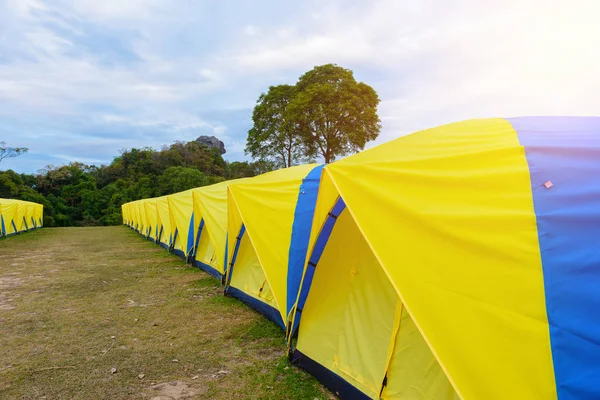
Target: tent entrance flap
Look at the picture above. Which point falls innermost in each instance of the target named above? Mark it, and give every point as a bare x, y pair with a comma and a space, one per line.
350, 325
249, 282
204, 252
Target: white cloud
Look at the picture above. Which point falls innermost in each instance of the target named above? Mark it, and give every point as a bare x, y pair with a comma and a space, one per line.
251, 30
163, 65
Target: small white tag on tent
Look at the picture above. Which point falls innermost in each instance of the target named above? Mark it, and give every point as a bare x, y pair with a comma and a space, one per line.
548, 185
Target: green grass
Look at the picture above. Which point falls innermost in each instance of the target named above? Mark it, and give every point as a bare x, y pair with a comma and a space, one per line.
76, 302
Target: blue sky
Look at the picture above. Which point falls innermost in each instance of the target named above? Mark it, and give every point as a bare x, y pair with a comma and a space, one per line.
81, 79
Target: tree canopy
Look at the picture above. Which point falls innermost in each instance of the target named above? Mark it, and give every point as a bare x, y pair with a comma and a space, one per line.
79, 194
274, 135
327, 113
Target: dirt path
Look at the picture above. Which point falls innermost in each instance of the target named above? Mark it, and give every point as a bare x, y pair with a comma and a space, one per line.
100, 313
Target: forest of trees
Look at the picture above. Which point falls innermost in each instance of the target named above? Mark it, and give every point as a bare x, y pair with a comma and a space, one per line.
83, 195
325, 115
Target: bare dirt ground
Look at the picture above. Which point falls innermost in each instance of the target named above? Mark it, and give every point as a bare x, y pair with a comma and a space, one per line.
100, 313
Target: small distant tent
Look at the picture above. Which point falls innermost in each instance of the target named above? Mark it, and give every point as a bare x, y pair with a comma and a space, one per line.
152, 219
30, 216
125, 214
181, 211
18, 216
460, 261
137, 207
130, 215
22, 213
164, 237
135, 215
39, 215
35, 215
9, 214
146, 221
143, 220
269, 219
210, 220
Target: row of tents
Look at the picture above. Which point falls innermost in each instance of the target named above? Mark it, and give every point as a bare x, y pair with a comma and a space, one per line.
18, 216
456, 262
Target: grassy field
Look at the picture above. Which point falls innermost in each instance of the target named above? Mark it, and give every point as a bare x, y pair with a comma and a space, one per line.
100, 313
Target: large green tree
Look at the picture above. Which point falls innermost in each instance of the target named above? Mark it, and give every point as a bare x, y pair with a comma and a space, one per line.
336, 114
274, 136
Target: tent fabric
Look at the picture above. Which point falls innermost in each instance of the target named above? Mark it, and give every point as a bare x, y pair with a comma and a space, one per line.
181, 212
146, 223
39, 215
18, 216
210, 230
152, 219
461, 264
164, 237
268, 229
137, 217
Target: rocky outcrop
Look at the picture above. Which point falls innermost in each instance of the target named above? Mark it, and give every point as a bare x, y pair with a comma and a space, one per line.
212, 142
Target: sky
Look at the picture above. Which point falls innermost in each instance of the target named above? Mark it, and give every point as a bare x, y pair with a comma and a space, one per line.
82, 79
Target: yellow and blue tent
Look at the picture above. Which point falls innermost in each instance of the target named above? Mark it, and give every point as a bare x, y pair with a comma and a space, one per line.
133, 211
459, 262
146, 222
30, 216
144, 227
125, 214
210, 227
181, 212
21, 222
164, 238
151, 213
135, 215
18, 216
9, 214
39, 215
130, 216
269, 220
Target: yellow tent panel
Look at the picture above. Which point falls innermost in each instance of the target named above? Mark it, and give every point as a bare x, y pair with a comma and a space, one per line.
269, 219
181, 212
18, 216
164, 222
210, 226
151, 213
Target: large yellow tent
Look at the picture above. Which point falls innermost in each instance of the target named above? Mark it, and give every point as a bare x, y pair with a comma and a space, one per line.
210, 227
181, 212
460, 261
269, 219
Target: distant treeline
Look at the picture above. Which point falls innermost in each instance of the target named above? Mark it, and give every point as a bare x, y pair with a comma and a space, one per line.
83, 195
